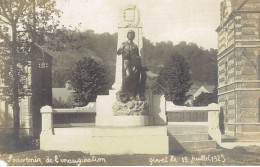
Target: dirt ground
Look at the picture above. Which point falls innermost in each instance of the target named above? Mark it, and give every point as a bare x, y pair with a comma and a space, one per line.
227, 157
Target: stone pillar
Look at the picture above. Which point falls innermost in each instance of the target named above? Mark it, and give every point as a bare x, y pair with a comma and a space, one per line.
159, 110
213, 122
129, 20
47, 120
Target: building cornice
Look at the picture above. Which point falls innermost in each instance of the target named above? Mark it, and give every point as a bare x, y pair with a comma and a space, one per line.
239, 89
235, 45
241, 81
231, 16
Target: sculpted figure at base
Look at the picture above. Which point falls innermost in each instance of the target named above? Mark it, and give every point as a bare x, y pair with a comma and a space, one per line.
134, 75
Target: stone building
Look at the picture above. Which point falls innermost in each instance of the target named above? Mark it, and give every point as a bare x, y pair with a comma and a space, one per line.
239, 68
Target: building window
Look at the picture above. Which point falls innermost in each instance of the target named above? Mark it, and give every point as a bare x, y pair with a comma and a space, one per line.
226, 111
43, 65
226, 38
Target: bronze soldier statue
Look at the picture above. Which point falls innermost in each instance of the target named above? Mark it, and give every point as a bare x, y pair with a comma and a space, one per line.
134, 75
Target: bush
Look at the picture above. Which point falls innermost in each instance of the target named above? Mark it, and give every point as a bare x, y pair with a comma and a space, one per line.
88, 79
204, 99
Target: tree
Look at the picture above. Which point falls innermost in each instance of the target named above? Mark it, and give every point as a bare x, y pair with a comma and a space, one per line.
174, 80
88, 79
205, 99
19, 19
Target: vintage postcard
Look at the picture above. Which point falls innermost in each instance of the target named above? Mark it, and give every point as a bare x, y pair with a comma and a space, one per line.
129, 82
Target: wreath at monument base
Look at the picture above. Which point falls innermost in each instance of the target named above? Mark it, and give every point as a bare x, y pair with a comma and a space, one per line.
122, 96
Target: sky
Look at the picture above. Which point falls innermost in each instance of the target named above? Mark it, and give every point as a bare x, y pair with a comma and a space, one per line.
163, 20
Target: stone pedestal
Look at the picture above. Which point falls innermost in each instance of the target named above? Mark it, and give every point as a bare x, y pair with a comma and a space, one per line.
134, 140
104, 113
110, 112
128, 121
158, 108
130, 108
122, 129
108, 140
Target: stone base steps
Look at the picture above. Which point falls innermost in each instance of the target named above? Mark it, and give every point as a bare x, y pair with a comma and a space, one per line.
197, 145
184, 129
103, 140
73, 125
73, 131
227, 138
108, 140
191, 146
190, 138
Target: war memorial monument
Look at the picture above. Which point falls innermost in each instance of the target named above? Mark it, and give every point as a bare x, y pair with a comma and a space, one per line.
123, 116
131, 119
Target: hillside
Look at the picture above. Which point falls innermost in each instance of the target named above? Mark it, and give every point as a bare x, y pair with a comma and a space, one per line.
102, 47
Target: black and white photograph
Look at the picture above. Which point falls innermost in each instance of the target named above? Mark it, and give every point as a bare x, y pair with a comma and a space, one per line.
129, 83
